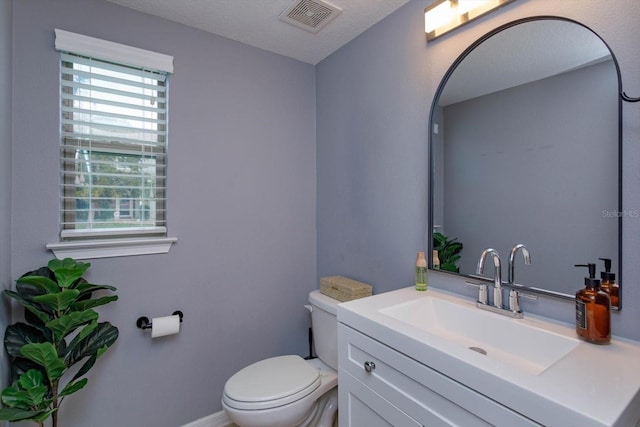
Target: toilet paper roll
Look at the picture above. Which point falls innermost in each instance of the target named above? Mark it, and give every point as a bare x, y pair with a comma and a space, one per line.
167, 325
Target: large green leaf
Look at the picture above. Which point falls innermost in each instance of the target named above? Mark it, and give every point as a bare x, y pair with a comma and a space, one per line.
36, 322
84, 332
59, 301
79, 283
83, 305
67, 264
45, 355
32, 383
451, 250
30, 304
86, 366
67, 270
87, 288
63, 326
20, 366
15, 414
33, 321
42, 283
27, 393
42, 271
439, 240
19, 334
27, 290
72, 387
15, 397
31, 378
39, 314
447, 266
103, 336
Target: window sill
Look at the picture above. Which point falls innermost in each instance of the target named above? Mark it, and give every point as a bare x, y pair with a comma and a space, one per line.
89, 249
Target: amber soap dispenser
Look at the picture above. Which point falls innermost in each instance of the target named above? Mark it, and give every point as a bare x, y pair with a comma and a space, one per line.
593, 315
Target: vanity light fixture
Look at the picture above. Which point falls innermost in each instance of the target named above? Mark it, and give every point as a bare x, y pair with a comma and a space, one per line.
446, 15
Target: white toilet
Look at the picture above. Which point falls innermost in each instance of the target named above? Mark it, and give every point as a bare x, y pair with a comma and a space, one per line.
289, 391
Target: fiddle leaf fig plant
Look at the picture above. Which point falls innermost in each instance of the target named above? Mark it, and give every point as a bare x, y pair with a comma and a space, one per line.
61, 330
448, 251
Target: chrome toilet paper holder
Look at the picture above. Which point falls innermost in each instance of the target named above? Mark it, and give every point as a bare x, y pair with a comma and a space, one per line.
144, 322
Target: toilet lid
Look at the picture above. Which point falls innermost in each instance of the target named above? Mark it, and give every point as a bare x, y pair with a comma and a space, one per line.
283, 377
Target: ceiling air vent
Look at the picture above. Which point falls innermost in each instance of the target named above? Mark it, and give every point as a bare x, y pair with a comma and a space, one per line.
310, 15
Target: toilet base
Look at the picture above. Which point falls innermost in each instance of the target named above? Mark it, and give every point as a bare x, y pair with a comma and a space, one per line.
324, 412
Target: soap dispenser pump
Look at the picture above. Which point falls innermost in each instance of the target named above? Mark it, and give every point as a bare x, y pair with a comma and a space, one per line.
593, 315
608, 284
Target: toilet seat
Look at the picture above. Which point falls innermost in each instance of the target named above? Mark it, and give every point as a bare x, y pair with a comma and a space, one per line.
271, 383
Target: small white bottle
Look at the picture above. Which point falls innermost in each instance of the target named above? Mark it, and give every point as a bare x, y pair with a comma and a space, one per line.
421, 272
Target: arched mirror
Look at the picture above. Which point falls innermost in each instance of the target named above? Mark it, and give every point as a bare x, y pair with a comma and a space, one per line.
525, 148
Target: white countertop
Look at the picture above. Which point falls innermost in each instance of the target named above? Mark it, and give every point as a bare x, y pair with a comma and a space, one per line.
593, 385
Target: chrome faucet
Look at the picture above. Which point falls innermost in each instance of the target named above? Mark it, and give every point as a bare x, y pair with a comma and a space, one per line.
497, 276
512, 257
514, 304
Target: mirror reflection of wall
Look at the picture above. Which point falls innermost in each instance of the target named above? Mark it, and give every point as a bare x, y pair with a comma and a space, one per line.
533, 160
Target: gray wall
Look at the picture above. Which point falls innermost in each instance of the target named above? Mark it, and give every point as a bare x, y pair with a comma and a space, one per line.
249, 169
373, 105
5, 175
372, 121
241, 202
536, 164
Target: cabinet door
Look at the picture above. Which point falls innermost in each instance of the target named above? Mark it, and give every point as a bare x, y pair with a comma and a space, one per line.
431, 398
360, 407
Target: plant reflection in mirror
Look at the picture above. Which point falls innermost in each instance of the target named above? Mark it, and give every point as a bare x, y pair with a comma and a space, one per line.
448, 251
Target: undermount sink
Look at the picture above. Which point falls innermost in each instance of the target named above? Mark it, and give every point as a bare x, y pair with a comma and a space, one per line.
515, 342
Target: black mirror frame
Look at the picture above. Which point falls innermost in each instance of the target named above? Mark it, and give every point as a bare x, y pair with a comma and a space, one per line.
622, 97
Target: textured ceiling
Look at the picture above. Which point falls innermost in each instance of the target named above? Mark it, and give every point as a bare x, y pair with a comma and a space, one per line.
257, 23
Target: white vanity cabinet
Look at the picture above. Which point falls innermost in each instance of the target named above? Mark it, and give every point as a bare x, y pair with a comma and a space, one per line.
434, 359
393, 389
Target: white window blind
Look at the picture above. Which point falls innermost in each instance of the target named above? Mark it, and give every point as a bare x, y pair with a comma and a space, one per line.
113, 148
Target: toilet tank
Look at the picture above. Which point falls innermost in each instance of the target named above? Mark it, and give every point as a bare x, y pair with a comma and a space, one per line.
324, 321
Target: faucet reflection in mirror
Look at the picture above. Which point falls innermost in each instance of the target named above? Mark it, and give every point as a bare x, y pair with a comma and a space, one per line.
446, 15
512, 260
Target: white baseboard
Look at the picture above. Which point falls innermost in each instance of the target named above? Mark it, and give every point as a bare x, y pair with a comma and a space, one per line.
219, 419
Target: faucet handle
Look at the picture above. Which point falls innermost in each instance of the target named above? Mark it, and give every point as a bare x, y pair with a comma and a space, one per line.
482, 291
514, 301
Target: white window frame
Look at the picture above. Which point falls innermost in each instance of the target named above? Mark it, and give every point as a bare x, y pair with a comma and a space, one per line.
130, 242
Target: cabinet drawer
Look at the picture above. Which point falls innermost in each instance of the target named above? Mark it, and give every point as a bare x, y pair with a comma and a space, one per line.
422, 393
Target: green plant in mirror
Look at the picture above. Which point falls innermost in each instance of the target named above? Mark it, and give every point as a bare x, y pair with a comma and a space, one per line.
61, 330
448, 251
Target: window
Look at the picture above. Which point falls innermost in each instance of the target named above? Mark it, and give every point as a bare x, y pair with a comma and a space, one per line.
113, 141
